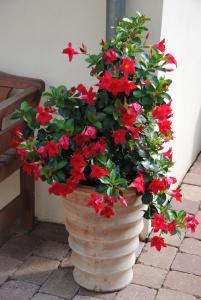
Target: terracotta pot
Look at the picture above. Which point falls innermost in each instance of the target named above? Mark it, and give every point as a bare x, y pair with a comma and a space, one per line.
103, 250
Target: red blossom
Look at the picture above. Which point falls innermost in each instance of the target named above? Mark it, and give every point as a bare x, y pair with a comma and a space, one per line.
171, 59
168, 181
52, 148
77, 175
22, 152
61, 189
162, 112
44, 115
139, 184
168, 154
191, 222
32, 168
160, 46
97, 171
165, 126
171, 227
81, 89
89, 96
157, 242
64, 142
70, 51
110, 56
119, 136
158, 222
107, 212
128, 119
156, 186
176, 194
77, 161
135, 132
127, 66
96, 202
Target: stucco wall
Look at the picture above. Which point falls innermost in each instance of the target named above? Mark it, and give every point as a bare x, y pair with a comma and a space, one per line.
181, 23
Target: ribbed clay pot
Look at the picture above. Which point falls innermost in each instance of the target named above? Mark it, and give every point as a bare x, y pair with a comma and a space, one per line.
103, 250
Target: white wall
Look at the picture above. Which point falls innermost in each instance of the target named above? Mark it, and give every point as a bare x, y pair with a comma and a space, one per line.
181, 25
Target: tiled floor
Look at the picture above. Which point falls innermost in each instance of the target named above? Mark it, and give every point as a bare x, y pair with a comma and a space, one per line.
36, 265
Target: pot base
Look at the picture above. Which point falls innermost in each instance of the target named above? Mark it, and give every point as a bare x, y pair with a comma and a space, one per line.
100, 283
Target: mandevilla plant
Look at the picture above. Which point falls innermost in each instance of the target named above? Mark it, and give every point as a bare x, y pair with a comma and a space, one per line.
111, 136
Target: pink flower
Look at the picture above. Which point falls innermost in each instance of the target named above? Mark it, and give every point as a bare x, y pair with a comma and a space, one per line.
64, 142
139, 184
176, 194
191, 222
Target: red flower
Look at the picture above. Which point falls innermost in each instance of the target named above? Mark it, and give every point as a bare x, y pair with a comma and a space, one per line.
107, 211
89, 95
139, 184
110, 55
77, 161
119, 136
52, 148
135, 132
160, 46
97, 171
127, 66
157, 242
176, 194
191, 222
81, 89
64, 142
21, 151
162, 112
77, 175
129, 86
171, 60
32, 168
171, 227
43, 115
158, 222
156, 186
105, 81
168, 154
96, 202
168, 181
128, 119
70, 51
61, 189
165, 126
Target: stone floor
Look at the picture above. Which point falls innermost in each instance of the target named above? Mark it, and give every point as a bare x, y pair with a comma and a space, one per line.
36, 265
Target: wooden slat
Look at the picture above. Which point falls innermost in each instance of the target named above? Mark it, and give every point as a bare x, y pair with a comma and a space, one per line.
12, 103
10, 213
9, 166
20, 82
27, 189
6, 136
4, 92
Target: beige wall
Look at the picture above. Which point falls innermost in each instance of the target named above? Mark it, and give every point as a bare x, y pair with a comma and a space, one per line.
33, 34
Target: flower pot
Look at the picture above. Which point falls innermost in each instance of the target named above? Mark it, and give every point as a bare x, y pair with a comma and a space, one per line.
103, 250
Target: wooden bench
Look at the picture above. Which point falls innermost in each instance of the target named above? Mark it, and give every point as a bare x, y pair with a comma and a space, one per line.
22, 88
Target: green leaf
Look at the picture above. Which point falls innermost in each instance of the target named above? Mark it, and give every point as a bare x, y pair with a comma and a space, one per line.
147, 198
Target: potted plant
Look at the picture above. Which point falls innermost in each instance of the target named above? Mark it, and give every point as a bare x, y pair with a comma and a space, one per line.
103, 149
